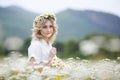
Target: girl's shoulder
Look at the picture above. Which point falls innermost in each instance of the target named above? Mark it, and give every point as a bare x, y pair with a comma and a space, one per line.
35, 42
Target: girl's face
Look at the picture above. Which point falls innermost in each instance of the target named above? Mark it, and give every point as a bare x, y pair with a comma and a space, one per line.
47, 30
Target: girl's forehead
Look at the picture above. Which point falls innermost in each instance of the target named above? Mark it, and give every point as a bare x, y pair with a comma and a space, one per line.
48, 22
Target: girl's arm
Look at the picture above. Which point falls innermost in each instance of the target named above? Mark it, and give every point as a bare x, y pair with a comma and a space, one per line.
50, 57
32, 60
52, 54
35, 66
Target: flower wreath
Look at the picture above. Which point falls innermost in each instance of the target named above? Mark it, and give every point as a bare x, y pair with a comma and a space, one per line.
44, 16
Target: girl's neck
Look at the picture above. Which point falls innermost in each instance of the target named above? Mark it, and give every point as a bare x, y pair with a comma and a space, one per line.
47, 40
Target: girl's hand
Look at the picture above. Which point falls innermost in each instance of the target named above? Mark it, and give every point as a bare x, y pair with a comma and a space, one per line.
31, 62
52, 53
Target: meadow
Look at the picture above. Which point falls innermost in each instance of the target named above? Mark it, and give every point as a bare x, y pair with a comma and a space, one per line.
15, 67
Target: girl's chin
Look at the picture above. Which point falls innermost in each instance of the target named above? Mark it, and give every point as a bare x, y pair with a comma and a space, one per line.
49, 35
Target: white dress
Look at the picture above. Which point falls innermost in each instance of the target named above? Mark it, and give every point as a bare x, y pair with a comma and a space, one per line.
39, 50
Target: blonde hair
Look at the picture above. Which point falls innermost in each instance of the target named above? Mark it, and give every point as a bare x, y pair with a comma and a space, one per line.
39, 22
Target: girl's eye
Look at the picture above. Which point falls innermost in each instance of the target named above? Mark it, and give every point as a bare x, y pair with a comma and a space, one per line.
51, 26
44, 26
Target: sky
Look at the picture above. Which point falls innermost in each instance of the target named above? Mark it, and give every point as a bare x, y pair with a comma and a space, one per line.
55, 6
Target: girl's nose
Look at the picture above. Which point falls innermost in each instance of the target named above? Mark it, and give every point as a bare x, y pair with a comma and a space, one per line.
48, 29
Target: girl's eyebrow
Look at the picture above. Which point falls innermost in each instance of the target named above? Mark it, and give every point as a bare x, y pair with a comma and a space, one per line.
48, 25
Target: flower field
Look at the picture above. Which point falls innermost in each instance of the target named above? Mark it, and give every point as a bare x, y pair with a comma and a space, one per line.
15, 67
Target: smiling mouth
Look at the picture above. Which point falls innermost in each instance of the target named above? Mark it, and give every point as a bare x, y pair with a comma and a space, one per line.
49, 34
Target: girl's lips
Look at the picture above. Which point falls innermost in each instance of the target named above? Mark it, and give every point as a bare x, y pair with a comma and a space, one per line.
48, 34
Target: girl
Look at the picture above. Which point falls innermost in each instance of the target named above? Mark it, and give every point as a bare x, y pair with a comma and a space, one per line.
40, 51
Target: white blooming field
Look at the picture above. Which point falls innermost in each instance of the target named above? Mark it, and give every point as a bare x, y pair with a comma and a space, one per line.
15, 67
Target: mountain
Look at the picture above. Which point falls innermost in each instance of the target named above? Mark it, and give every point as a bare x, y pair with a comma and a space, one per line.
77, 24
15, 21
73, 24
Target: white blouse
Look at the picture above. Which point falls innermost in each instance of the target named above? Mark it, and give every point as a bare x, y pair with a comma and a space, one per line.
39, 50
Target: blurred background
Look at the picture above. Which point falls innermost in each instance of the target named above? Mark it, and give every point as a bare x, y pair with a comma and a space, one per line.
88, 29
